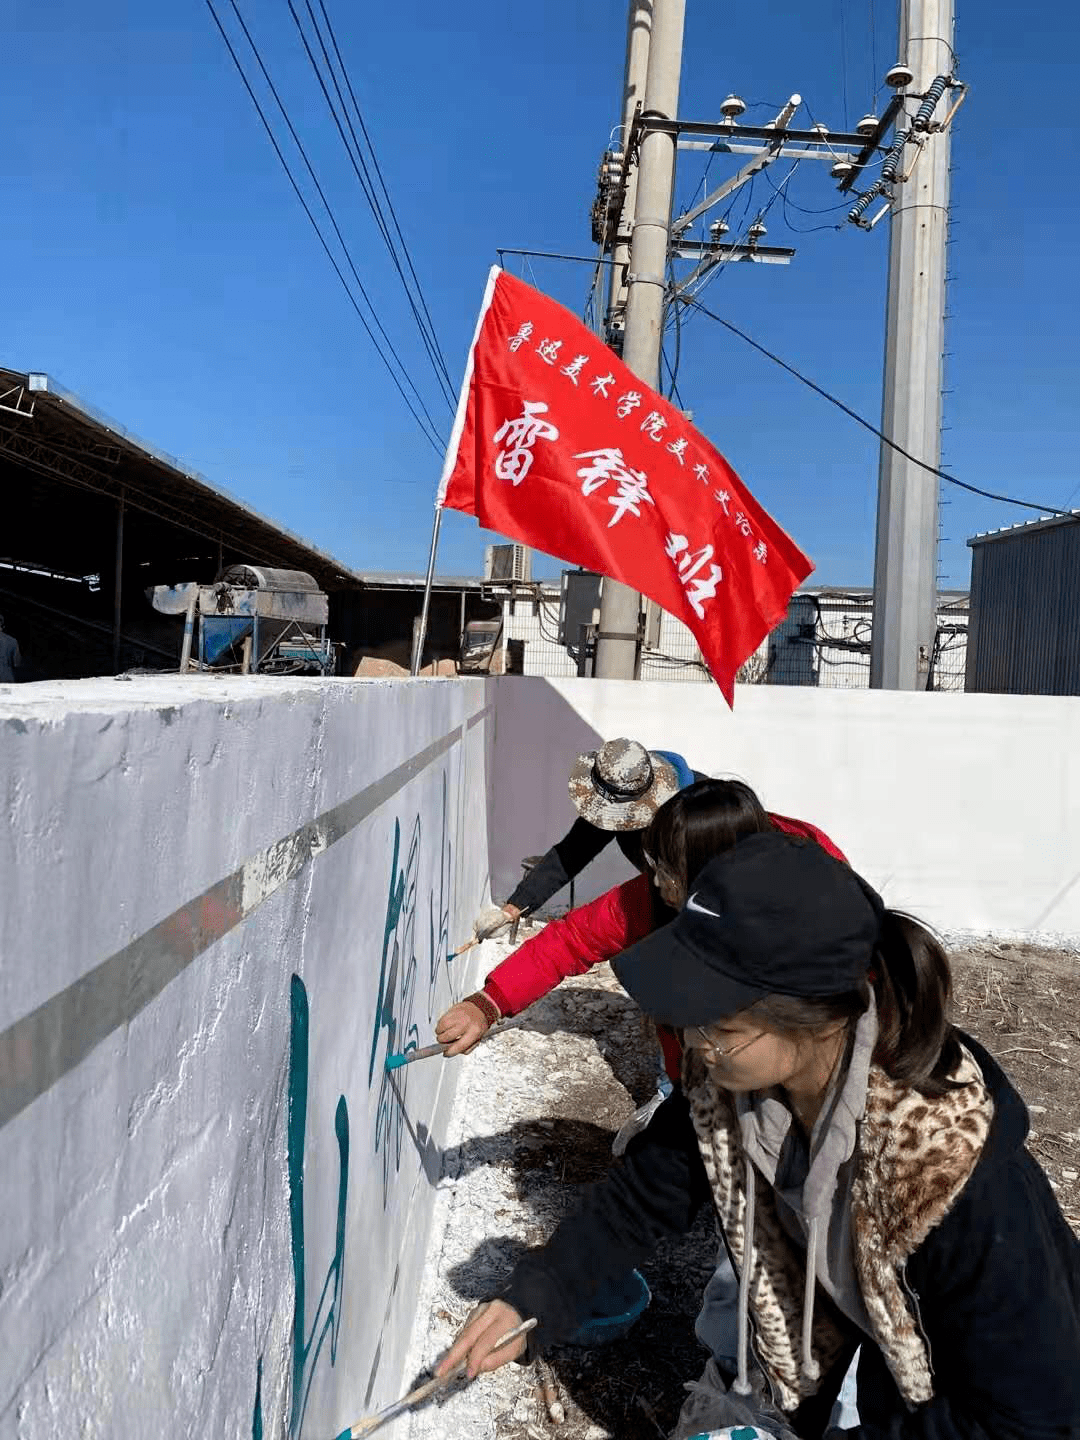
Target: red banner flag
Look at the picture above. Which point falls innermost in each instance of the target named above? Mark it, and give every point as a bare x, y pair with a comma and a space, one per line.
558, 445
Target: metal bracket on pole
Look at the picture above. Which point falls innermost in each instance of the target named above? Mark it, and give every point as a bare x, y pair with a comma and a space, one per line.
872, 142
748, 171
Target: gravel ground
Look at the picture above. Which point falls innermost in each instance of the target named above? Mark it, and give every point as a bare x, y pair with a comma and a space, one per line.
534, 1121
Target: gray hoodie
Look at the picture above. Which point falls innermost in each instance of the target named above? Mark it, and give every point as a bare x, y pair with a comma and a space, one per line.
812, 1179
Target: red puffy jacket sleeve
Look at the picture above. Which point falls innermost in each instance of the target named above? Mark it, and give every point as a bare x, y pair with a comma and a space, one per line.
806, 831
597, 932
586, 937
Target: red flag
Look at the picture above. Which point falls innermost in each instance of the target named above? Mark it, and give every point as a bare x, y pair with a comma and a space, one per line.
558, 445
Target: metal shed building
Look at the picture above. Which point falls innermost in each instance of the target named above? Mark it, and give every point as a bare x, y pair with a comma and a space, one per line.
1024, 630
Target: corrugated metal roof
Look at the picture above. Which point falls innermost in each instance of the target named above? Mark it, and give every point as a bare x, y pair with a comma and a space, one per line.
172, 479
1041, 522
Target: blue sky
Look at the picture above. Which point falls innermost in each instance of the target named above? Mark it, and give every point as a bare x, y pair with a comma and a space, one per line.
154, 259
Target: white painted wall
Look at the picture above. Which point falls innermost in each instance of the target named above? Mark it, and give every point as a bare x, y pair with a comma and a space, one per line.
146, 1267
964, 809
179, 850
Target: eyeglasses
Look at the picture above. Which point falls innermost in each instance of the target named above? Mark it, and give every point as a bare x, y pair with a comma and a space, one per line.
713, 1052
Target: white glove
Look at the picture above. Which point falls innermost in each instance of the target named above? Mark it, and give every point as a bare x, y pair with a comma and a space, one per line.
492, 920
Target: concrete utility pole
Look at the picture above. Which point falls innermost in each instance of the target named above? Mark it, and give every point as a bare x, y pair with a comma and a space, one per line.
905, 565
617, 637
635, 73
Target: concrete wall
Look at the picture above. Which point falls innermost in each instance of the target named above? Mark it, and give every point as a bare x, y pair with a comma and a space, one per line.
223, 902
964, 809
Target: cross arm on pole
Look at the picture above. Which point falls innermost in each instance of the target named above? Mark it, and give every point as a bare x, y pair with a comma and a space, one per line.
748, 171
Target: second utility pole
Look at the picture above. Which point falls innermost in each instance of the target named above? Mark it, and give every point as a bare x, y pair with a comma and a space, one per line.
617, 637
905, 566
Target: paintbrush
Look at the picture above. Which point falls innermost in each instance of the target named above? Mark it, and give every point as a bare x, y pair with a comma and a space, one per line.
370, 1423
406, 1057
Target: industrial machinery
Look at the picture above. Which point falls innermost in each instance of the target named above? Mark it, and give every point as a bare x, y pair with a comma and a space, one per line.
253, 619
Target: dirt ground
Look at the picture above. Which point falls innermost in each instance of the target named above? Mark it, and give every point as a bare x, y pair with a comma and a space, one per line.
541, 1107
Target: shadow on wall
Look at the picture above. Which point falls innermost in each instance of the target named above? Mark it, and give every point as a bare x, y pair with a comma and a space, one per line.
539, 754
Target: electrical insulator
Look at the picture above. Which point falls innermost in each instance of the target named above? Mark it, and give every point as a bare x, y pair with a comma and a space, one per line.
925, 112
732, 107
717, 230
841, 170
756, 232
864, 202
867, 125
891, 163
900, 76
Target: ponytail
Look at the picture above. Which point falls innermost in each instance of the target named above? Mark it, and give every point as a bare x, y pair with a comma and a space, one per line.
917, 1044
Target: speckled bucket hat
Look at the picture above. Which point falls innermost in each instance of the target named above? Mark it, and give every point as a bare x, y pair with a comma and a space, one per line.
622, 785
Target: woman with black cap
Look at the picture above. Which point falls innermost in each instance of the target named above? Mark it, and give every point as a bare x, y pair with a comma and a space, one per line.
904, 1268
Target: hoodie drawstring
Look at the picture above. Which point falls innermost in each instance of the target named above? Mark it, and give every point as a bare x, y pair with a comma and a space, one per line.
811, 1370
742, 1379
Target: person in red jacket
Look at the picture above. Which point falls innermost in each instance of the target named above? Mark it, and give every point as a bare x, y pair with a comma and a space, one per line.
695, 824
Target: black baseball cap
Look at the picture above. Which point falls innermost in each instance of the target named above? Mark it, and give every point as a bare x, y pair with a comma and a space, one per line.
775, 915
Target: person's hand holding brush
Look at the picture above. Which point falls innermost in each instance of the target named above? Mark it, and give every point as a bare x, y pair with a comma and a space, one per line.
466, 1023
478, 1343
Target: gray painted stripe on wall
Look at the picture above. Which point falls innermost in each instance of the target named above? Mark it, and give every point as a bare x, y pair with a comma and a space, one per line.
43, 1046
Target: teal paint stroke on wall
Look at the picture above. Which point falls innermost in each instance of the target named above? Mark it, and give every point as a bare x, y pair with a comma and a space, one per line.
327, 1318
396, 1028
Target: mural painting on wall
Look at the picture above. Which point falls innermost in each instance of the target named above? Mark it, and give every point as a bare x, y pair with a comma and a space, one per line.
396, 1027
308, 1341
395, 1020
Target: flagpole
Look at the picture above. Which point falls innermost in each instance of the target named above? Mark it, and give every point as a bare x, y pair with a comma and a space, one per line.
418, 649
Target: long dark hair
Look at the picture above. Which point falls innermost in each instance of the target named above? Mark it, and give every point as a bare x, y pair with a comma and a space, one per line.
917, 1044
701, 821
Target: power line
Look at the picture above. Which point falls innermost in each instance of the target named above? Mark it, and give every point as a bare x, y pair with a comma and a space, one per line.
843, 58
329, 210
363, 175
427, 332
431, 435
859, 420
875, 79
807, 209
385, 190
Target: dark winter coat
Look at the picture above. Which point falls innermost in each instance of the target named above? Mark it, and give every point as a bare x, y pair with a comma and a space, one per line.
969, 1271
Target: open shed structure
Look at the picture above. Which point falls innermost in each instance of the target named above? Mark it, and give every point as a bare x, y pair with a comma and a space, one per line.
92, 517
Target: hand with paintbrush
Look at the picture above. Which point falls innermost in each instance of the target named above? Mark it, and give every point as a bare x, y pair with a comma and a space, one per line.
508, 1335
484, 1342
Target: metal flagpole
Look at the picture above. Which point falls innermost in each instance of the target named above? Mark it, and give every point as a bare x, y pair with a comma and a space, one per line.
418, 648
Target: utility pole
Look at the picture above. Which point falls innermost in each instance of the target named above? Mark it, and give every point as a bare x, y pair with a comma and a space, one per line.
905, 564
617, 637
635, 73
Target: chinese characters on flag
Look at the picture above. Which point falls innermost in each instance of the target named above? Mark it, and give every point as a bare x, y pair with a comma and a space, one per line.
558, 445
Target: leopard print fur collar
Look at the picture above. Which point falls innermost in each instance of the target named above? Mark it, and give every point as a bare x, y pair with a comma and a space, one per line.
914, 1158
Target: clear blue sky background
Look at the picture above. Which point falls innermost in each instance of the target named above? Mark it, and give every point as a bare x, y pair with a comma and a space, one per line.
154, 259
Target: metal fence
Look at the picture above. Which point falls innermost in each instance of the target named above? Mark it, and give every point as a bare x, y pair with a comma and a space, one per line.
823, 641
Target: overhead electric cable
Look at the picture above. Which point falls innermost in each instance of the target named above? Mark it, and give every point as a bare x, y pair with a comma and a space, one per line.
363, 175
867, 425
429, 430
